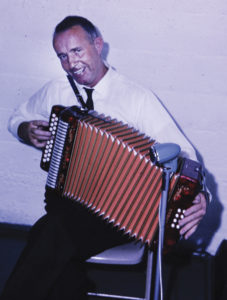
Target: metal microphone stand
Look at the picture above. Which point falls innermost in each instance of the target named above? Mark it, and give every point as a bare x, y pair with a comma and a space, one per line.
168, 168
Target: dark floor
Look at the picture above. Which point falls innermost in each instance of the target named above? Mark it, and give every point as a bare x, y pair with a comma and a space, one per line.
188, 277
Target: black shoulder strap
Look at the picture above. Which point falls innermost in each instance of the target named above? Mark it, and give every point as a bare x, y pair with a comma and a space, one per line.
76, 91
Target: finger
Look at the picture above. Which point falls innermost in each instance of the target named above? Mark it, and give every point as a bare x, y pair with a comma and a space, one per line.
198, 214
38, 144
39, 138
41, 123
190, 232
193, 209
32, 125
188, 227
199, 205
197, 199
200, 198
203, 200
38, 125
41, 134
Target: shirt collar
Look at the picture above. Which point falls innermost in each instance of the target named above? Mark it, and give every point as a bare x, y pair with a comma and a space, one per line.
102, 87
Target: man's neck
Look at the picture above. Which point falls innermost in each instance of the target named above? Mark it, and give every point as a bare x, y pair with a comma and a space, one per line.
103, 71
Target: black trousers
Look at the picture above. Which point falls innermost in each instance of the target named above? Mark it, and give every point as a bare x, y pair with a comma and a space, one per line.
52, 263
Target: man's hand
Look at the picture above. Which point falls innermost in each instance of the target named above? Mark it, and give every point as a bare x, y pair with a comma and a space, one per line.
193, 216
34, 132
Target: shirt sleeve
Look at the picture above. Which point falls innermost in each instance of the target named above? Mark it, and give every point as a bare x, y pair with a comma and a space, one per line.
36, 108
158, 124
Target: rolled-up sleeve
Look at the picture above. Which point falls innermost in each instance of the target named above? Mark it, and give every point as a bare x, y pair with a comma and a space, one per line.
36, 108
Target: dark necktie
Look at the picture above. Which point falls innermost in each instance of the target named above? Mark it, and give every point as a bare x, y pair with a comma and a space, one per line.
89, 103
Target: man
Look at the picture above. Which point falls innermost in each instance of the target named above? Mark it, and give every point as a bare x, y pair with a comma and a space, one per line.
51, 266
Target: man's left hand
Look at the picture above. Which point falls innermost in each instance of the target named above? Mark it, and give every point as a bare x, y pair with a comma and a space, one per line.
193, 216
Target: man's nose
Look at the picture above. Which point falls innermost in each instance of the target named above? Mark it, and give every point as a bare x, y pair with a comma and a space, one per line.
72, 60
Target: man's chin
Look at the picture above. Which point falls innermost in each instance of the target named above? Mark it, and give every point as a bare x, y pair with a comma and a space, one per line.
79, 79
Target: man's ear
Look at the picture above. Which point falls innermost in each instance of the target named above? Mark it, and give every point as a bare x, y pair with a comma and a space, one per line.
98, 42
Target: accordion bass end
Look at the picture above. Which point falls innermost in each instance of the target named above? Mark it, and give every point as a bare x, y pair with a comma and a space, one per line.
187, 187
105, 165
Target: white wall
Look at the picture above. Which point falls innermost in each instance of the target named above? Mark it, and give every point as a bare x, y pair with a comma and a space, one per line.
177, 48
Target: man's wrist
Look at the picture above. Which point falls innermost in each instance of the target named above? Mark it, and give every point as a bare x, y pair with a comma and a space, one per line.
22, 132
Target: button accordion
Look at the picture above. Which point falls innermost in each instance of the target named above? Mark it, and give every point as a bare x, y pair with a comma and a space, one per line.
105, 166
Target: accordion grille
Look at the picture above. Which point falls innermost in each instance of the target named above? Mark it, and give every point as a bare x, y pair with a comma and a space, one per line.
111, 174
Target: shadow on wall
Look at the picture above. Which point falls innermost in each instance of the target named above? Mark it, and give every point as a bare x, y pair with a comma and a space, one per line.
105, 51
201, 239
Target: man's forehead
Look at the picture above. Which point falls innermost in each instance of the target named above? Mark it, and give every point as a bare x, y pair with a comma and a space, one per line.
74, 31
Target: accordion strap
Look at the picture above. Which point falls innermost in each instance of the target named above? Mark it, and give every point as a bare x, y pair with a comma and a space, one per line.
76, 91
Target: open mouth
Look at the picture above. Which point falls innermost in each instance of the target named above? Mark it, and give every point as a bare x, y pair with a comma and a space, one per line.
79, 71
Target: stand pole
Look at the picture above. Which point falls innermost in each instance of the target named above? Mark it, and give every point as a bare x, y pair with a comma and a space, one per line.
162, 217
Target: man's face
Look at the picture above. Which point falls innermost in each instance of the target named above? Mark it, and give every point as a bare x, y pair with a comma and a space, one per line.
80, 56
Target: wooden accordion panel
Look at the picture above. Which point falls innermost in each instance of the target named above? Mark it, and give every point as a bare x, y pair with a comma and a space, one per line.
104, 165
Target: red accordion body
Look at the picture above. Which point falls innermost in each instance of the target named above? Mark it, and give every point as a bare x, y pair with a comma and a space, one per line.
105, 165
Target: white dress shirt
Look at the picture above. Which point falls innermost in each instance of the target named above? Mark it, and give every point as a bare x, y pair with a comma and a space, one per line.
115, 96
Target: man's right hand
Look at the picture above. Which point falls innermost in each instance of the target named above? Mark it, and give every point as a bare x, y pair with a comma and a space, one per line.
35, 132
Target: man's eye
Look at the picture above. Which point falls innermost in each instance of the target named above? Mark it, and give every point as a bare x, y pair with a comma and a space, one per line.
77, 50
62, 57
